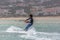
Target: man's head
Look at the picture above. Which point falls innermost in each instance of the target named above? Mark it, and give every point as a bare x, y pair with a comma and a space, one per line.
30, 15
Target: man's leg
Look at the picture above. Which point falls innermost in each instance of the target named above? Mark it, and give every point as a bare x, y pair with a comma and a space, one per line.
28, 26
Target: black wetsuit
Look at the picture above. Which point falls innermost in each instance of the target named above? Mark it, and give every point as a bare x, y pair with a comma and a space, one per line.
29, 24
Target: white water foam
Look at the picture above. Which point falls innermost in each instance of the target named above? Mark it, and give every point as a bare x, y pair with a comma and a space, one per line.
13, 29
33, 34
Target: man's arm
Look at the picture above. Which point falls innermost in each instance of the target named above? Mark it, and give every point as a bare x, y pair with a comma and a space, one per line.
27, 20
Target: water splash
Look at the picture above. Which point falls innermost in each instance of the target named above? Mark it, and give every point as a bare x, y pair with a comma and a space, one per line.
14, 29
33, 34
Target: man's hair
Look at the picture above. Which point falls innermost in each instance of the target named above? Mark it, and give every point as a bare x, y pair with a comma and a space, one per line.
31, 15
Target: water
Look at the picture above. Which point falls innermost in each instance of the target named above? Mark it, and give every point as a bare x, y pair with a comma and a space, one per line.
41, 30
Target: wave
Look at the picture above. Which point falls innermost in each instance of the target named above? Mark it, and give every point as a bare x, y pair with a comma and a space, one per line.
33, 34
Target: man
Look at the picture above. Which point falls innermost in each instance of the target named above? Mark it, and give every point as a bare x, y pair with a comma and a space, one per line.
29, 21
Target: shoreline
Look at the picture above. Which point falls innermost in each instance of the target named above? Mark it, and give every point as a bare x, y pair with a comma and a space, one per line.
23, 18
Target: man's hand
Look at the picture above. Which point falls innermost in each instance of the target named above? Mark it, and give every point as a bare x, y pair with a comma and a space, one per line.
26, 21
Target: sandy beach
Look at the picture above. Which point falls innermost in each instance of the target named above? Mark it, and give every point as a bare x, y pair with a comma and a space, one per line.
36, 18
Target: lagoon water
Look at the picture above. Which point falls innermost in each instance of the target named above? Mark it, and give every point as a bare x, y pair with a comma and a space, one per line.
41, 30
